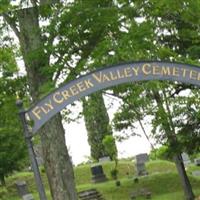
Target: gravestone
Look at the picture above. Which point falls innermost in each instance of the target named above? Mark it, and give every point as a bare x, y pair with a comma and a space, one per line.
23, 190
197, 161
141, 169
98, 174
104, 159
186, 159
141, 159
28, 197
196, 173
91, 194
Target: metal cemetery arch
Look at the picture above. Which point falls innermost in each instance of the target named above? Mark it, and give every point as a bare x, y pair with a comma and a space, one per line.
105, 77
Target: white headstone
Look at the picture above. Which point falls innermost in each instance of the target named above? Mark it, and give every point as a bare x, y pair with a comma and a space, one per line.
196, 173
28, 197
185, 156
186, 159
140, 164
104, 159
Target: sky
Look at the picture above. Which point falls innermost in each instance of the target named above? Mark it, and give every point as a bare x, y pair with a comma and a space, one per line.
76, 137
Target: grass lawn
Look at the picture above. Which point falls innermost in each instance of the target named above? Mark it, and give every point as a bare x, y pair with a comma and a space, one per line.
162, 181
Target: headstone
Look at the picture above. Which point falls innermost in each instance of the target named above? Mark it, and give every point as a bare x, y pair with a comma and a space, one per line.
197, 161
98, 174
91, 194
28, 197
23, 190
186, 159
196, 173
141, 159
104, 159
141, 169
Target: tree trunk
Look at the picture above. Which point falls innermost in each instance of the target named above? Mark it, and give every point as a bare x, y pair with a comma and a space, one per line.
184, 178
57, 162
172, 139
2, 180
97, 124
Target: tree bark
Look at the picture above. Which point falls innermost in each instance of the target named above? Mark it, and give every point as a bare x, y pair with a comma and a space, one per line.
57, 161
187, 188
58, 164
189, 195
172, 140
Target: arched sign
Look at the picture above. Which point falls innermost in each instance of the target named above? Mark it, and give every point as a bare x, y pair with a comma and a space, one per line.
106, 77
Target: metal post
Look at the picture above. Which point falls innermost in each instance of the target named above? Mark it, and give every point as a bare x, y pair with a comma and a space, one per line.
31, 152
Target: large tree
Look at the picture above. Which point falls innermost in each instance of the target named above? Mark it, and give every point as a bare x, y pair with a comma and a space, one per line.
97, 124
177, 33
89, 39
70, 36
176, 38
170, 115
94, 33
25, 24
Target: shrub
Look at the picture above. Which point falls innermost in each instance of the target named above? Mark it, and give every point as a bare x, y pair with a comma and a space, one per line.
161, 153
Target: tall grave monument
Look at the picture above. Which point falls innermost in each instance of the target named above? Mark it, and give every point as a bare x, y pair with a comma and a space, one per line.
141, 159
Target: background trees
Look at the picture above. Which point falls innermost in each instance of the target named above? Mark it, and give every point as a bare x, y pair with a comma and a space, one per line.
60, 42
12, 147
33, 46
176, 39
97, 124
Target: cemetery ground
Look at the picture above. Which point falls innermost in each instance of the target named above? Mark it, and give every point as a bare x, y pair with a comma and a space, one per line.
163, 181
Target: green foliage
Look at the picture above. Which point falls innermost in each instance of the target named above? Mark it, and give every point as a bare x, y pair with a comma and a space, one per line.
195, 155
110, 147
113, 173
8, 65
4, 6
90, 34
97, 124
12, 147
161, 153
173, 35
13, 151
162, 181
175, 38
